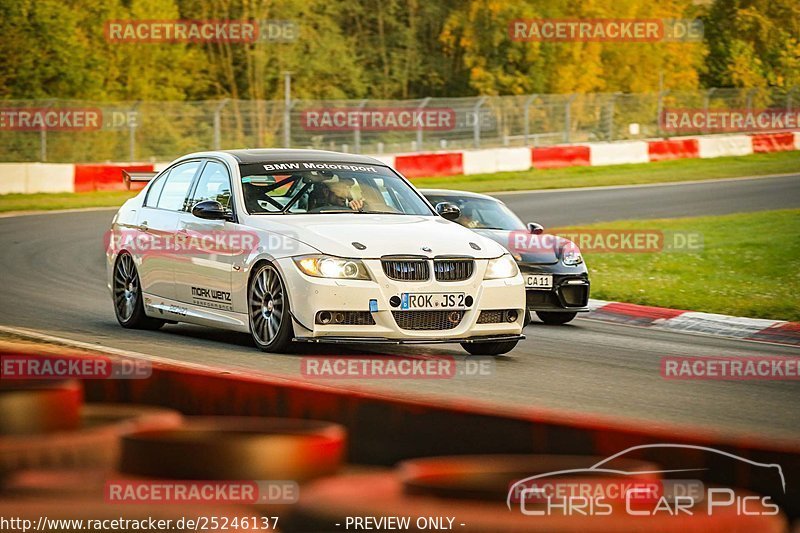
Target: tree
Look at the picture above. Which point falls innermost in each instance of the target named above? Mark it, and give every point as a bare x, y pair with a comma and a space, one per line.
752, 43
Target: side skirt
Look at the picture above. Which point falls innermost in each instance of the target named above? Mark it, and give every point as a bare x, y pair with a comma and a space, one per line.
166, 309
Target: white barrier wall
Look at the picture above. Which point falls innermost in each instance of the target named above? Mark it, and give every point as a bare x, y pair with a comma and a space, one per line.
618, 153
50, 177
513, 159
496, 160
797, 140
725, 145
13, 177
36, 177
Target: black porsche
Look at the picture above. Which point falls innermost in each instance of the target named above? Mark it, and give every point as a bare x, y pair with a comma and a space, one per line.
556, 278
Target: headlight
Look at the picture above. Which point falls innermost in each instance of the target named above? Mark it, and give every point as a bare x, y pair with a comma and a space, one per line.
571, 255
502, 267
325, 266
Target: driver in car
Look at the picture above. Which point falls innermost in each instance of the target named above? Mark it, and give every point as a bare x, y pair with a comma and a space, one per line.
469, 218
333, 194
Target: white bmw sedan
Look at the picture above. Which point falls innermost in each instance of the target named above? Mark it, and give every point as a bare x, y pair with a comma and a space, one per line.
308, 246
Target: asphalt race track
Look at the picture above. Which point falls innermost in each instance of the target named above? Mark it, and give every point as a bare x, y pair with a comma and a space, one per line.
53, 281
715, 197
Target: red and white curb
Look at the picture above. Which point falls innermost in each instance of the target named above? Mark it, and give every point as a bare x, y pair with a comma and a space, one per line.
753, 329
67, 177
486, 161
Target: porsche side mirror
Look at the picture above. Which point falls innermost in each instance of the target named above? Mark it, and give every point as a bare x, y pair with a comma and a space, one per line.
534, 228
448, 211
210, 210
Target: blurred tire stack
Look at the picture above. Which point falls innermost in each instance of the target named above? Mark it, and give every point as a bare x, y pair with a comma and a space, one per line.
57, 454
46, 425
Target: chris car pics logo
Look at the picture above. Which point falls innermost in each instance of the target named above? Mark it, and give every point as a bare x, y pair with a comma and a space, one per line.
603, 489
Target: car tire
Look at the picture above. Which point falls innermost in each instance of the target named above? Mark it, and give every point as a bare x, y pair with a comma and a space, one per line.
127, 294
555, 318
489, 348
268, 310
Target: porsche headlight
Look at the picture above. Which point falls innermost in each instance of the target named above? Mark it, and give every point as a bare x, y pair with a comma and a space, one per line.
502, 267
325, 266
571, 255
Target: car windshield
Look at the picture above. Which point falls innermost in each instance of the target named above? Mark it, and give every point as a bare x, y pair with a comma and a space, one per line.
481, 213
309, 187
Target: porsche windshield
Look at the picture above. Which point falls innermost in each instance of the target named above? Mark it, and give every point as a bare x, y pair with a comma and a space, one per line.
480, 213
308, 187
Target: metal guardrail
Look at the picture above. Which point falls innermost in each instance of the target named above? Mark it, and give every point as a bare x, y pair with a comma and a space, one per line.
158, 131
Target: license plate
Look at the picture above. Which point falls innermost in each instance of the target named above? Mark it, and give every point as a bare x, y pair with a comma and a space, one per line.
539, 281
433, 300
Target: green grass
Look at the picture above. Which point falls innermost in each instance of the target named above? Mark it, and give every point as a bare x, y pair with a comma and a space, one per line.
51, 201
660, 172
747, 267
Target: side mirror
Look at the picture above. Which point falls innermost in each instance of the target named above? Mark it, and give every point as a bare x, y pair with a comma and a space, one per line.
448, 211
536, 229
210, 210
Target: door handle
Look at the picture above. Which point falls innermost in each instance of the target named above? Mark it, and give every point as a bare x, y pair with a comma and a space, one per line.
143, 226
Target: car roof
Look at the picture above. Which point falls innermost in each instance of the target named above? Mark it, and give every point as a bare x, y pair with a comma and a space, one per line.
449, 192
265, 155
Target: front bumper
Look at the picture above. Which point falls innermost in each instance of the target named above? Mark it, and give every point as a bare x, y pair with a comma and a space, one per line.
570, 292
310, 295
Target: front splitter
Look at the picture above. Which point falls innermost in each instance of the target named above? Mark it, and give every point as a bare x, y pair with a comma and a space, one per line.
384, 340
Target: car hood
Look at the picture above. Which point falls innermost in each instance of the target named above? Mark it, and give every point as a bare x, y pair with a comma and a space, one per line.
537, 256
380, 235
